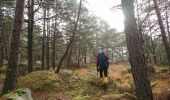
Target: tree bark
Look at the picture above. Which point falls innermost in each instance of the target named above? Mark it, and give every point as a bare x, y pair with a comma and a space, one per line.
167, 17
85, 55
71, 41
136, 53
69, 57
11, 75
47, 41
30, 33
153, 51
54, 43
78, 60
163, 33
3, 43
44, 39
1, 38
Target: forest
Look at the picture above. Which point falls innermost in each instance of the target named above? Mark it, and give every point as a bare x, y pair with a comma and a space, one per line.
60, 50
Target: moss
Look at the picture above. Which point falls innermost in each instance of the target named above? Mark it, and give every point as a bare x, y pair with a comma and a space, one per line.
81, 98
126, 96
3, 69
40, 80
129, 96
22, 69
10, 96
37, 68
162, 70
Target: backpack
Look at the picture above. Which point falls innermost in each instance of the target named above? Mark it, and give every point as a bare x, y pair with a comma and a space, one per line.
102, 60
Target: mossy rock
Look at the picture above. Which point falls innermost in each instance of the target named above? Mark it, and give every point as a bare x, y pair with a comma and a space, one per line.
10, 96
39, 80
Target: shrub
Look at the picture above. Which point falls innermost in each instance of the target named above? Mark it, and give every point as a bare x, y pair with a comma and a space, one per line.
37, 68
129, 70
151, 69
22, 69
3, 69
38, 63
163, 70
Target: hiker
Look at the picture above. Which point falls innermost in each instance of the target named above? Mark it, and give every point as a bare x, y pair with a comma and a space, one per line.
102, 66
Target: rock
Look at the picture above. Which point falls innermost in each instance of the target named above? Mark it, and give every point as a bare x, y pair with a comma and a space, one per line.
66, 72
105, 97
26, 96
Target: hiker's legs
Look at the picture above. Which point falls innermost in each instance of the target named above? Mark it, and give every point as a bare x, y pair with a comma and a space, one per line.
105, 71
101, 72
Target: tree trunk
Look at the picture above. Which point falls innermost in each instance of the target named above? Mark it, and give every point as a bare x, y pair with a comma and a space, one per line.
153, 51
136, 53
85, 55
11, 75
44, 39
47, 41
78, 50
71, 41
3, 44
30, 33
54, 43
167, 17
69, 57
163, 33
1, 38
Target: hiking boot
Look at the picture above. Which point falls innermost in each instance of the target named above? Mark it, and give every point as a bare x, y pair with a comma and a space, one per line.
105, 80
101, 79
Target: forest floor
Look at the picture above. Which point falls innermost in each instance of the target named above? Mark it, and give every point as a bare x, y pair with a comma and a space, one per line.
83, 84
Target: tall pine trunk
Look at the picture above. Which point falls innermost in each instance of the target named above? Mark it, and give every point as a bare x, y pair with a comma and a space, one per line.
153, 51
47, 41
71, 41
69, 57
136, 53
11, 75
30, 34
85, 55
167, 20
54, 43
1, 38
3, 43
44, 39
78, 60
163, 33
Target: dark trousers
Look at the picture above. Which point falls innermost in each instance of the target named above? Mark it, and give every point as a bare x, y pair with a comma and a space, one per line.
103, 70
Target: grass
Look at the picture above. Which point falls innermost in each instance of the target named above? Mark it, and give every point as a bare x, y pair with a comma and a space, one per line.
83, 84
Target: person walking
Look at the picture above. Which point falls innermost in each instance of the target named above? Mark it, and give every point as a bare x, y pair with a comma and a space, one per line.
102, 66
